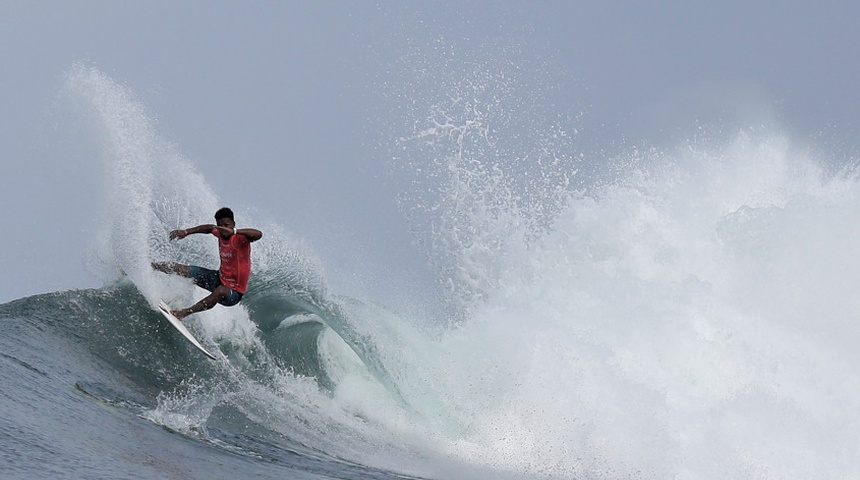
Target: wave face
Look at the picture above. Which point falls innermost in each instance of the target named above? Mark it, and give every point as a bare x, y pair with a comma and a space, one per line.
683, 314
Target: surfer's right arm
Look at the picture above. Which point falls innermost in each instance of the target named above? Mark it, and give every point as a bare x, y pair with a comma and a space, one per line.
188, 231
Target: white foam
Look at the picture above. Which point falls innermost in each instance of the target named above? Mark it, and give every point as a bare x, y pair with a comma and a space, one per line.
692, 320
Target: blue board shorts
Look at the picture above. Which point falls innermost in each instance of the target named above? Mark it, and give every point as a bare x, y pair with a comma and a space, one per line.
210, 280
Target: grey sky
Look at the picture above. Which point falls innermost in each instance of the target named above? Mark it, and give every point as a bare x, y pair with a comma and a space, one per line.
277, 103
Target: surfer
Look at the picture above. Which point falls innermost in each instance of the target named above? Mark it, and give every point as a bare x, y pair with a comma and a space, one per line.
228, 284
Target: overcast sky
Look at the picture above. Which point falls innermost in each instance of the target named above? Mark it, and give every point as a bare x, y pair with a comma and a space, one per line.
277, 103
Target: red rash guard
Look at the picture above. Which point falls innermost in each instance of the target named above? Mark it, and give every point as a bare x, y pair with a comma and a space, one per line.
235, 261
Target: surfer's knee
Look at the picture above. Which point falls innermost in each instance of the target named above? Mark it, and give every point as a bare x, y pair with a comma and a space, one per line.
227, 296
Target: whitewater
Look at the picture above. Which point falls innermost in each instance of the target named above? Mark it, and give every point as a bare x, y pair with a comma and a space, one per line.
685, 313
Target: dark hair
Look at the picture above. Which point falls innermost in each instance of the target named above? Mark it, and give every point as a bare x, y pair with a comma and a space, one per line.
224, 213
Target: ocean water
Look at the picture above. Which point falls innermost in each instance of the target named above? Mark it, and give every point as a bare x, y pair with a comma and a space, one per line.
686, 314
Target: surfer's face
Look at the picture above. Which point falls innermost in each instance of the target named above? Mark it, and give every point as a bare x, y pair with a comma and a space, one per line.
226, 222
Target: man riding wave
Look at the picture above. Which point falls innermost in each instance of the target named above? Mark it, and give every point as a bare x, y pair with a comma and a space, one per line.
229, 283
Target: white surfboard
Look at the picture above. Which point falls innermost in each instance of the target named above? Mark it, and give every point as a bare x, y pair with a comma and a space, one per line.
165, 310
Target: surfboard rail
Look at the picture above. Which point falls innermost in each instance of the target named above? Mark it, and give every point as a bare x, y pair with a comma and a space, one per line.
165, 310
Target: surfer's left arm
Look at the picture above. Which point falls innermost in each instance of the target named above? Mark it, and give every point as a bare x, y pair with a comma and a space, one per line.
252, 234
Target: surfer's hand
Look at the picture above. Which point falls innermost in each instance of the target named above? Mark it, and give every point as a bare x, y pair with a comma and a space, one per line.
180, 314
178, 234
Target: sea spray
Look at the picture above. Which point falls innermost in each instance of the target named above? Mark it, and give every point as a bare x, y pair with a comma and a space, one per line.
483, 155
686, 321
150, 188
666, 313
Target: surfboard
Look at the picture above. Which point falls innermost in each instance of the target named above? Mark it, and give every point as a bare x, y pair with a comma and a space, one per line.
165, 310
